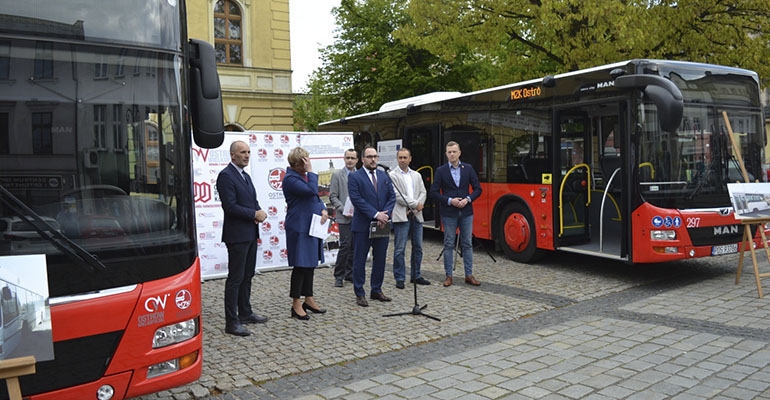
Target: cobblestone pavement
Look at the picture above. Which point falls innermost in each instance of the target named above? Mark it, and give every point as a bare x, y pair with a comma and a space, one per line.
568, 327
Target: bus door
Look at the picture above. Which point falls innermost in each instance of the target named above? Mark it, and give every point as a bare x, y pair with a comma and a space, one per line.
588, 191
427, 154
572, 187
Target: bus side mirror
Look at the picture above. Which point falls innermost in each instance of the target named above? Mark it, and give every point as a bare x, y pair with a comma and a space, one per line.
7, 293
205, 96
666, 96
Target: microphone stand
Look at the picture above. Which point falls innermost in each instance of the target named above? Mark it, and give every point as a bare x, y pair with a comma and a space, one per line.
417, 309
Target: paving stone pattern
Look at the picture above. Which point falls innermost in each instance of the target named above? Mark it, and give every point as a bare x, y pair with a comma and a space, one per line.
568, 327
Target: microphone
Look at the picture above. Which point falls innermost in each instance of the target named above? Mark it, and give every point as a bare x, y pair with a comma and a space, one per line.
383, 166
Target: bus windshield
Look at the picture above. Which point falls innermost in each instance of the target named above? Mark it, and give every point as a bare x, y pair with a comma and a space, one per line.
691, 167
90, 140
151, 23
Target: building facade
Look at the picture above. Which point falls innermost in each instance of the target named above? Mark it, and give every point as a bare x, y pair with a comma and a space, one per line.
251, 38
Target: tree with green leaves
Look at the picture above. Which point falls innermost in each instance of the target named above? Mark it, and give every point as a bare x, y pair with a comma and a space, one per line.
526, 39
389, 50
367, 65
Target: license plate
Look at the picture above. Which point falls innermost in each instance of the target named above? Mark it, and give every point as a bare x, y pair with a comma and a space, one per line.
724, 249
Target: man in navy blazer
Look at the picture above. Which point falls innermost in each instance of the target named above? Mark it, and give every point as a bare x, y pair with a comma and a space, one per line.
371, 192
450, 191
240, 231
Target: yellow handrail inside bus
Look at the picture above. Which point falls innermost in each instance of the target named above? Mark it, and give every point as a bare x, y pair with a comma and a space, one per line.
561, 192
652, 169
430, 169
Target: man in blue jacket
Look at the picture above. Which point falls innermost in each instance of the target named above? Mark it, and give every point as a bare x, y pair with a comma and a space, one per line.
450, 191
240, 231
371, 192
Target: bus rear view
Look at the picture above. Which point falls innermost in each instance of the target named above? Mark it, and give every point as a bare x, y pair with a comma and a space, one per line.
96, 106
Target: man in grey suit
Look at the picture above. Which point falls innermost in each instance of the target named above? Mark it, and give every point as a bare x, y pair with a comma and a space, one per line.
338, 195
407, 219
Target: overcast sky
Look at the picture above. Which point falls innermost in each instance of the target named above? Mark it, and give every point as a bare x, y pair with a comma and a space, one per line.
312, 27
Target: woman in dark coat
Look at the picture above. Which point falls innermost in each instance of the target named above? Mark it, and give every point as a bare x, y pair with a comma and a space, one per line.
300, 189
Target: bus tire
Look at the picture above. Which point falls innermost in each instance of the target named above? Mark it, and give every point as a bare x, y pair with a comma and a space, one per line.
517, 234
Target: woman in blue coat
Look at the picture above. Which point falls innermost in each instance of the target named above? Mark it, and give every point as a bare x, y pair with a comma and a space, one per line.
300, 189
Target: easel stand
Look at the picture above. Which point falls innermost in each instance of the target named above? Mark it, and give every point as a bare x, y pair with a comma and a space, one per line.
748, 242
12, 369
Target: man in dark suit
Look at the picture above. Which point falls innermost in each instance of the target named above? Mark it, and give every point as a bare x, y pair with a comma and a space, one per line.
371, 192
450, 191
240, 231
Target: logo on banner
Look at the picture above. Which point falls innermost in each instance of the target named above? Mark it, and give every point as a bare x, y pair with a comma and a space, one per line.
346, 139
265, 227
275, 178
262, 153
215, 224
278, 153
268, 139
203, 154
201, 192
281, 226
284, 254
272, 211
252, 138
274, 241
259, 242
267, 255
285, 139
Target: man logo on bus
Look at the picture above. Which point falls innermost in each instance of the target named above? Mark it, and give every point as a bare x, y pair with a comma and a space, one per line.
183, 299
275, 178
262, 153
202, 192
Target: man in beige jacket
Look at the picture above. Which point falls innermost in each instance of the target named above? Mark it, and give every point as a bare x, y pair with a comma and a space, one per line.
407, 218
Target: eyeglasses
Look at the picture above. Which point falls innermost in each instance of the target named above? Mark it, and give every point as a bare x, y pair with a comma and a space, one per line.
371, 156
351, 158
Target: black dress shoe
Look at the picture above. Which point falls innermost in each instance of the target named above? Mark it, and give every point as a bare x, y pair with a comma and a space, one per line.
421, 281
307, 307
399, 284
361, 301
237, 330
294, 314
253, 319
338, 283
379, 296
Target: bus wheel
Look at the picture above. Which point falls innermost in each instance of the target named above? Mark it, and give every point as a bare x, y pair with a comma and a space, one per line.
517, 234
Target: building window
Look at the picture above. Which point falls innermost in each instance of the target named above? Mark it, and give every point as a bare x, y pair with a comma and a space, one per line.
100, 68
42, 143
99, 134
227, 32
5, 60
43, 60
117, 126
5, 134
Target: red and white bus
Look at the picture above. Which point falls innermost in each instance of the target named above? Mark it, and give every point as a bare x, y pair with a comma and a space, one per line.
99, 104
626, 161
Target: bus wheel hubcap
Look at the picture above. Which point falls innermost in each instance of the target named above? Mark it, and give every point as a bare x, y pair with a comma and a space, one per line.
517, 232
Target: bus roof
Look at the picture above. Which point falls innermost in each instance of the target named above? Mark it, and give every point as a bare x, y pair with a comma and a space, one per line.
436, 97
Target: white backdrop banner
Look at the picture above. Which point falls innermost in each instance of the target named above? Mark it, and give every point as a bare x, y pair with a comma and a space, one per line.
267, 168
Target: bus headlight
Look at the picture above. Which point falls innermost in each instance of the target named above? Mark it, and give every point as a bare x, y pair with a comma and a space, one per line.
169, 366
663, 235
175, 333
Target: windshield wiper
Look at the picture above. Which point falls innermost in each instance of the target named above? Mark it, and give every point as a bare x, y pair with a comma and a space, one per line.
78, 254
